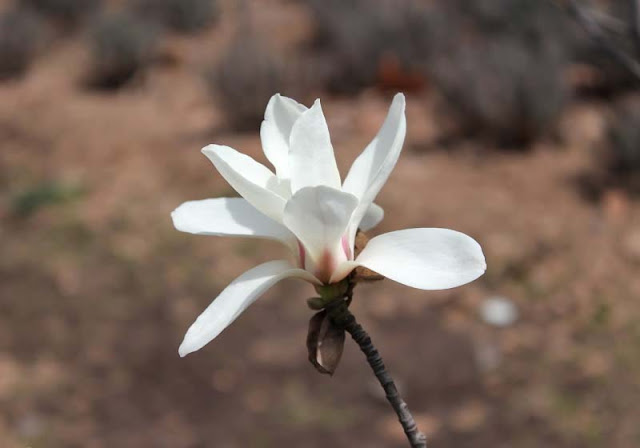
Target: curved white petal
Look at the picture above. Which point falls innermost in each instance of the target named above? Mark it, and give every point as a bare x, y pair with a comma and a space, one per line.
281, 114
372, 217
259, 186
372, 168
319, 217
311, 158
228, 217
342, 270
234, 299
425, 258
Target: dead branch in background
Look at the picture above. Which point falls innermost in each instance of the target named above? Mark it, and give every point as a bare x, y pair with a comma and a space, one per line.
596, 32
635, 4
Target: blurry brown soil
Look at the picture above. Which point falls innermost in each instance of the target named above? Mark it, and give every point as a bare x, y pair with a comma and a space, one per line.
96, 292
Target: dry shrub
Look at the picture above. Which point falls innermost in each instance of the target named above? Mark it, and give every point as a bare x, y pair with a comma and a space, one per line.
621, 156
608, 76
243, 81
184, 16
498, 63
500, 66
121, 48
502, 89
69, 12
358, 37
616, 157
20, 32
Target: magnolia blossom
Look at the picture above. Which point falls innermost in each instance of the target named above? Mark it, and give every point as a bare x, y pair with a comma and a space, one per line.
307, 207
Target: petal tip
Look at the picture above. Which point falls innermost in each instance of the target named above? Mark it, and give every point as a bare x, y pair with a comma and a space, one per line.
270, 105
174, 215
209, 149
178, 218
483, 265
315, 112
399, 100
183, 351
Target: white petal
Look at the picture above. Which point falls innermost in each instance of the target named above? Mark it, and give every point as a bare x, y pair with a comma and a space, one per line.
281, 114
372, 217
311, 158
228, 217
425, 258
235, 298
372, 168
319, 217
259, 186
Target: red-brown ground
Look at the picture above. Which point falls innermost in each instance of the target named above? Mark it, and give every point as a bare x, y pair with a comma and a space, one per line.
96, 292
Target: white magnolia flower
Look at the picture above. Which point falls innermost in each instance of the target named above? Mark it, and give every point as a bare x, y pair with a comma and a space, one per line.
307, 207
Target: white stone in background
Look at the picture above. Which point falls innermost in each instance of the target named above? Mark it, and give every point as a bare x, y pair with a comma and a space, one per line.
498, 311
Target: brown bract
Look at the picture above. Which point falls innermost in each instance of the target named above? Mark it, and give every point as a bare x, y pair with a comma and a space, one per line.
362, 273
325, 343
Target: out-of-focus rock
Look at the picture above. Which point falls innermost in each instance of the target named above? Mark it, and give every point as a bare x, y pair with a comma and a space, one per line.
499, 311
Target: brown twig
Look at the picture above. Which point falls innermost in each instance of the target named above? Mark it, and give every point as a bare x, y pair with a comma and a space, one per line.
635, 26
338, 311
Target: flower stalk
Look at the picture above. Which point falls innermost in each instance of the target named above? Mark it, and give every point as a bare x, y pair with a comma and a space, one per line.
337, 308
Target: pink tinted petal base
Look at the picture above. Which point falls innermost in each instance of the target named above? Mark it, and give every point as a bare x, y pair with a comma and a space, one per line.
346, 247
325, 267
301, 255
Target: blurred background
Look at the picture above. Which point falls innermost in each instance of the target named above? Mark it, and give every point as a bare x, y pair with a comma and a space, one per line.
522, 133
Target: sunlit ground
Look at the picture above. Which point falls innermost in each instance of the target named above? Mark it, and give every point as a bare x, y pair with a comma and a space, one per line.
97, 288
